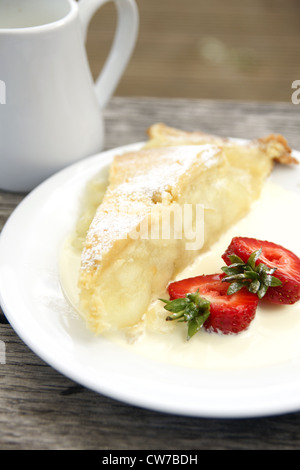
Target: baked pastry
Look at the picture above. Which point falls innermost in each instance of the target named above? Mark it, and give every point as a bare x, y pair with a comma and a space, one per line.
124, 268
238, 151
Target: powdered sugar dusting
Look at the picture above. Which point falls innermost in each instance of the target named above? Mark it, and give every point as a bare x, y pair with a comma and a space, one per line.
138, 181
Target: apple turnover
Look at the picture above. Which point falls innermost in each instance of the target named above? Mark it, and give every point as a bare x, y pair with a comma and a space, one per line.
123, 267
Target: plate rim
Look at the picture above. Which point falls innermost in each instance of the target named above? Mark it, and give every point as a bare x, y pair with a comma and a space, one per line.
121, 396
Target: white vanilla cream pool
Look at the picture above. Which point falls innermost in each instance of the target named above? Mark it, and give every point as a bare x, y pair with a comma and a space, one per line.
272, 338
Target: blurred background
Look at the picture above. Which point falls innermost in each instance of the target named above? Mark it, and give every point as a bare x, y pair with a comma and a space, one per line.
218, 49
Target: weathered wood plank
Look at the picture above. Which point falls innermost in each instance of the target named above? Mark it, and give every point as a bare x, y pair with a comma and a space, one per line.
40, 409
218, 50
227, 118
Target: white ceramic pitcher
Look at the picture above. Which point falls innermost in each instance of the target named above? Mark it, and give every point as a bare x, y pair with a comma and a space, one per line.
50, 107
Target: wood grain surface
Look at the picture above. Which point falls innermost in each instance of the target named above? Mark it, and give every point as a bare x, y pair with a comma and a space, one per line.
41, 409
237, 50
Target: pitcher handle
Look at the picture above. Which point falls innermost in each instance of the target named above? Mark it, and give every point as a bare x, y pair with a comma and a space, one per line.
122, 47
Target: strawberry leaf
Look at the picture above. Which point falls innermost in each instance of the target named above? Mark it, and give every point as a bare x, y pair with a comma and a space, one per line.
257, 278
196, 324
262, 291
253, 258
192, 309
254, 286
235, 259
275, 282
235, 287
232, 270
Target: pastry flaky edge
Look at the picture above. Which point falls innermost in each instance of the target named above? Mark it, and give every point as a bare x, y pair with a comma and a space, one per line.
275, 145
238, 154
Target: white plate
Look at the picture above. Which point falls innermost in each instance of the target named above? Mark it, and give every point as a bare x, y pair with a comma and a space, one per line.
34, 304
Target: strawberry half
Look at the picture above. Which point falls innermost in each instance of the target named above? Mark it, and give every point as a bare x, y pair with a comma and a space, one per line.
253, 262
202, 301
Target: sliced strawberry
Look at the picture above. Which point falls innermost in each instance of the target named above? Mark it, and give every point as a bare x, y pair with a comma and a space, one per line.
202, 301
283, 265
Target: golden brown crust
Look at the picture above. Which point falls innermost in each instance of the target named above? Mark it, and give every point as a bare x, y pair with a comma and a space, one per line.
282, 151
275, 144
161, 131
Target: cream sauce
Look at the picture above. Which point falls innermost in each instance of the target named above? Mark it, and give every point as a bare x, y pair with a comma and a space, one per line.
274, 335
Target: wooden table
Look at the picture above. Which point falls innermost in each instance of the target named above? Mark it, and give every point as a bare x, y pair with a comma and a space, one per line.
41, 409
196, 49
